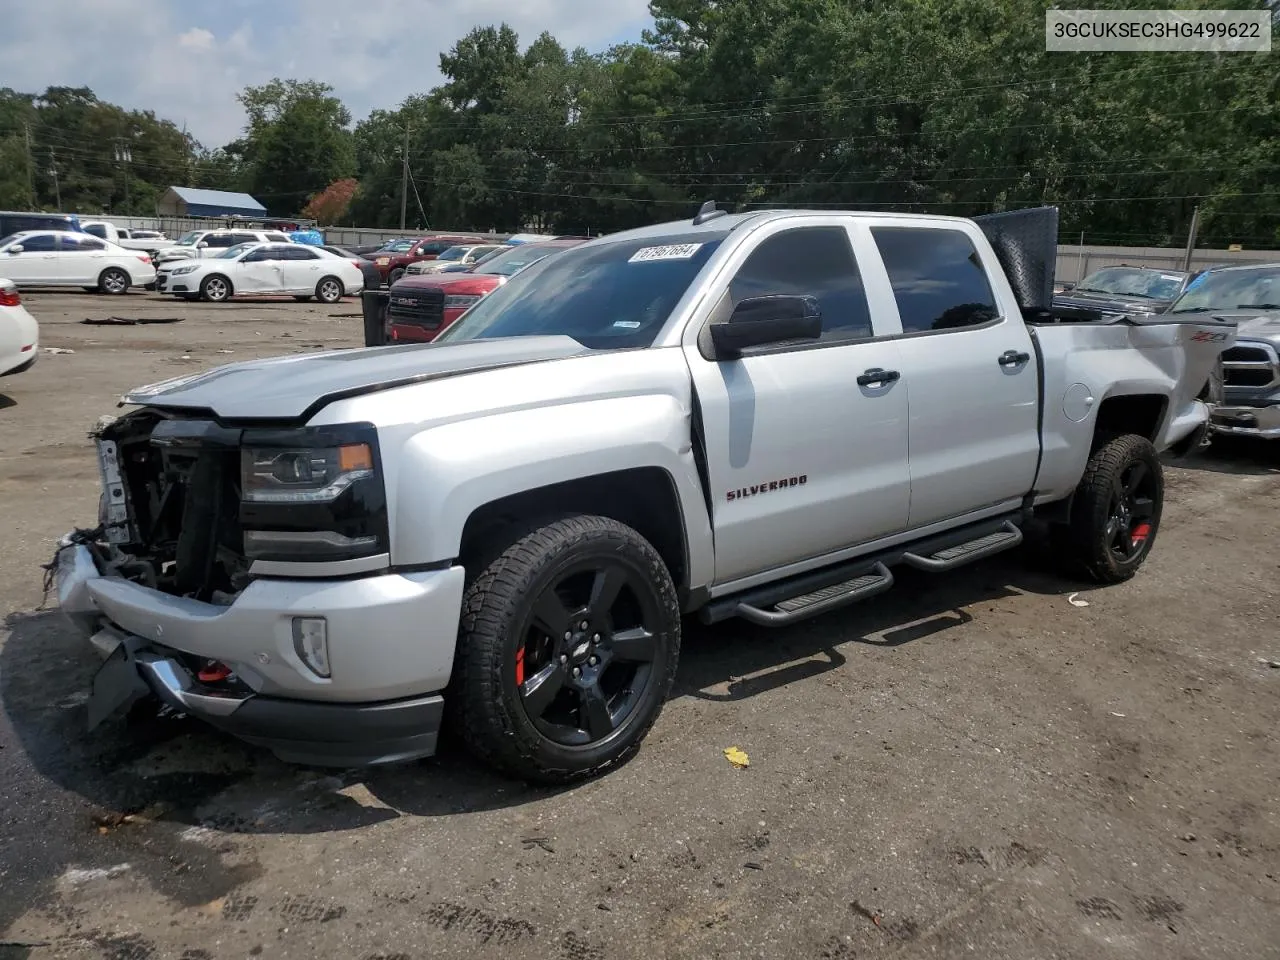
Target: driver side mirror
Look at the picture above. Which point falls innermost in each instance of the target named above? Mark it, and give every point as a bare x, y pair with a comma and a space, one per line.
17, 248
756, 321
202, 245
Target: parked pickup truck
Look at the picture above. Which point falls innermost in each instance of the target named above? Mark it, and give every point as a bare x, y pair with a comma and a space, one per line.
149, 241
757, 415
1250, 297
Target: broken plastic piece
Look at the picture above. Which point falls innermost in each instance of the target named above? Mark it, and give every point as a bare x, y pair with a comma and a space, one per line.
737, 757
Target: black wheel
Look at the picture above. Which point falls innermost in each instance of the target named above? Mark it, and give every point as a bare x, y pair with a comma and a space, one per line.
1116, 512
567, 649
114, 280
216, 288
395, 275
303, 299
329, 290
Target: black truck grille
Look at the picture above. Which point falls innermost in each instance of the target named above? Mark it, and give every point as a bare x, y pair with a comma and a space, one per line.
420, 308
1250, 366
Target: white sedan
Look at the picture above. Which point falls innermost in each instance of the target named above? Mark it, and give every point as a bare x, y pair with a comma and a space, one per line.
62, 258
19, 333
264, 269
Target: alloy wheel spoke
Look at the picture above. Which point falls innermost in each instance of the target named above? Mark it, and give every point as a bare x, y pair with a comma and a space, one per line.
636, 645
1111, 532
550, 615
1137, 473
606, 586
594, 714
540, 689
1144, 508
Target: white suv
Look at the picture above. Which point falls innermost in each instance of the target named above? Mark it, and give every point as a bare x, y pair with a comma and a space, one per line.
210, 243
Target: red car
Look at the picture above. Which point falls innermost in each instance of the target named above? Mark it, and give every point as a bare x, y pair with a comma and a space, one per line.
422, 306
398, 254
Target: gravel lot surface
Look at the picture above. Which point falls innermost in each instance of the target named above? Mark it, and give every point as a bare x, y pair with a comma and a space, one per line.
968, 766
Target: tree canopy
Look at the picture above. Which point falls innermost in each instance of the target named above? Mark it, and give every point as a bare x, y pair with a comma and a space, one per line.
912, 105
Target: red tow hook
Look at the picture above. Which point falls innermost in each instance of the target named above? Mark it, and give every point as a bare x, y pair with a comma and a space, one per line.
214, 671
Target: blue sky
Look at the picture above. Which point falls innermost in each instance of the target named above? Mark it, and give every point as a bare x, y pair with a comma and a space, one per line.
187, 60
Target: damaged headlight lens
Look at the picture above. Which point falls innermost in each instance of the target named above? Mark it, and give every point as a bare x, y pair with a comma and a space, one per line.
179, 271
315, 475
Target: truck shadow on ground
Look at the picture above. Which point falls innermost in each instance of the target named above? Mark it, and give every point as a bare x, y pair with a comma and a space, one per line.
7, 401
134, 789
1242, 456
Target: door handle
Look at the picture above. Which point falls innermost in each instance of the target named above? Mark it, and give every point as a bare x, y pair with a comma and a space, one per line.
1012, 358
876, 375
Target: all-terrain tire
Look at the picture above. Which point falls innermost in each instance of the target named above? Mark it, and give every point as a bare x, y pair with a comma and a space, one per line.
1086, 545
486, 708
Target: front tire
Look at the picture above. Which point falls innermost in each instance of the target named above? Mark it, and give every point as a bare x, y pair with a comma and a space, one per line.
115, 281
1116, 512
215, 289
329, 290
541, 696
395, 275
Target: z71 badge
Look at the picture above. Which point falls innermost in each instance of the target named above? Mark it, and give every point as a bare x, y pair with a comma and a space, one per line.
769, 487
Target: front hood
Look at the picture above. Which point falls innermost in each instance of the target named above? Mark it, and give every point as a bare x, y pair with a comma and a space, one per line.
176, 252
1252, 325
431, 281
1109, 303
294, 388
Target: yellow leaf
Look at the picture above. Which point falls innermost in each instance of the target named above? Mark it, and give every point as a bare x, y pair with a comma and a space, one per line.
737, 757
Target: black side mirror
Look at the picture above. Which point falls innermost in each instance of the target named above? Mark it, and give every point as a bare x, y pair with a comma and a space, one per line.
760, 320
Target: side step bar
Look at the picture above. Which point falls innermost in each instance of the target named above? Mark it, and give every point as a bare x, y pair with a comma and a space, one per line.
795, 609
1006, 538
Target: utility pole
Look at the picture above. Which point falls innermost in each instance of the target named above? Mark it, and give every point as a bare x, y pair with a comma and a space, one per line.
1191, 238
31, 165
404, 175
123, 156
53, 169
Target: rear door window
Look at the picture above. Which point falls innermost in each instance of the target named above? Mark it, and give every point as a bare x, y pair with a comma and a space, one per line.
938, 281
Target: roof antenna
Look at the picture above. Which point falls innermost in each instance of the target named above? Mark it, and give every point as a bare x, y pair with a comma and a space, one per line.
708, 212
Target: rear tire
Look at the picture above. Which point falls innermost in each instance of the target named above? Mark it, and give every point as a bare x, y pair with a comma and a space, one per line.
536, 694
329, 290
115, 281
1116, 511
395, 275
215, 288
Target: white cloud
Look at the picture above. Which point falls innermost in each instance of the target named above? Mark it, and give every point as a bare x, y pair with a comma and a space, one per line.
188, 62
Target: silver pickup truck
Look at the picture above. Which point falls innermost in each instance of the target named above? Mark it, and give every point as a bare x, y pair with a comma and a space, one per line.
754, 415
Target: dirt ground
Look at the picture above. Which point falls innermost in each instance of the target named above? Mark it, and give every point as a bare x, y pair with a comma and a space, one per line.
969, 766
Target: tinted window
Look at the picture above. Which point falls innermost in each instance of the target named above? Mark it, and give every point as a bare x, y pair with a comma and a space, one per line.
937, 278
39, 243
598, 295
811, 261
81, 242
221, 240
97, 229
299, 253
245, 238
17, 223
277, 238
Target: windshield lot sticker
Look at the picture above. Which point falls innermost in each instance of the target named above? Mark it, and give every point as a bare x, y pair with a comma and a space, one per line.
672, 251
627, 324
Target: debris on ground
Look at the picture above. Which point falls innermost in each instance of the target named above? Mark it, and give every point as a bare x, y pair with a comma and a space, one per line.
1273, 664
1077, 603
542, 843
737, 757
57, 350
128, 321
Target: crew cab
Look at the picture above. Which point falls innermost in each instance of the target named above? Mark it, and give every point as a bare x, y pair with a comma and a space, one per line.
757, 415
420, 307
392, 260
1249, 296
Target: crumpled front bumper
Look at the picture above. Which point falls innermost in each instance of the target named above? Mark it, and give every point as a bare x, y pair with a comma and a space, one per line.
391, 644
1247, 420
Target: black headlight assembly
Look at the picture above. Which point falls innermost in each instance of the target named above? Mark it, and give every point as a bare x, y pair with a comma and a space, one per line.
313, 494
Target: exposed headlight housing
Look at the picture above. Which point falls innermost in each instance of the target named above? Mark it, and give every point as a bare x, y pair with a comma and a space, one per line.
313, 494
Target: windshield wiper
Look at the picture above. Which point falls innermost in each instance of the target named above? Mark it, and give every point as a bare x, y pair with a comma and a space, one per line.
1198, 309
1258, 306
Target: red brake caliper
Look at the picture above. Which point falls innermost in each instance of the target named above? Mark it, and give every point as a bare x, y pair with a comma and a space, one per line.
520, 667
1140, 534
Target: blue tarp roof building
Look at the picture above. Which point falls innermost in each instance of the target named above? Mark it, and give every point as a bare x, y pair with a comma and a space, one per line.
194, 202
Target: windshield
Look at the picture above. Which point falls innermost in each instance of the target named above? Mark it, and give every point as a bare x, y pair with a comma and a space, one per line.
1133, 282
511, 262
189, 239
8, 240
232, 252
608, 296
1232, 290
398, 246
